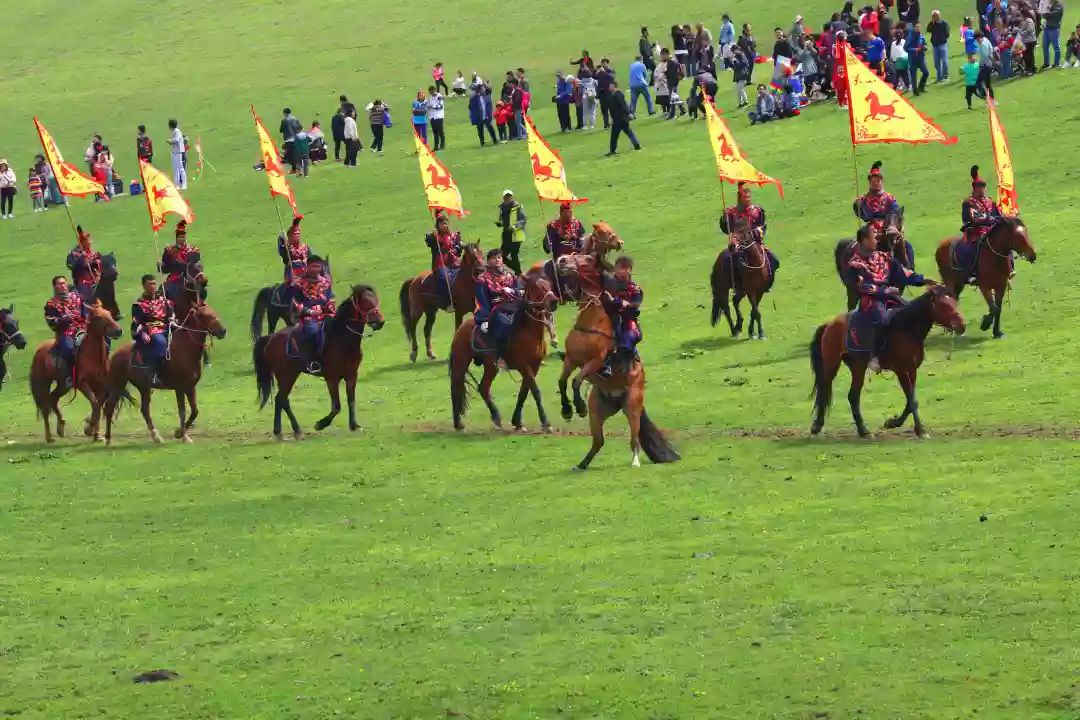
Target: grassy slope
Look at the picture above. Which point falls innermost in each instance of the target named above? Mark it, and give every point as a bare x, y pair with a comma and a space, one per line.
373, 577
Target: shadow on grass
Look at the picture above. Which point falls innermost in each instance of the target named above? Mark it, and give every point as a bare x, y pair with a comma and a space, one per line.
424, 366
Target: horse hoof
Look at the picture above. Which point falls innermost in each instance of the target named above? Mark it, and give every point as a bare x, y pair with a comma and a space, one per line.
922, 435
636, 462
88, 430
298, 435
356, 428
60, 429
987, 321
412, 357
546, 429
866, 434
279, 437
321, 425
155, 436
431, 356
583, 412
815, 429
50, 440
178, 433
186, 439
578, 469
999, 335
520, 429
892, 423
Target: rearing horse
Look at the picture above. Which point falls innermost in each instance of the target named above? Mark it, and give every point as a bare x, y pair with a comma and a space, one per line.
747, 275
415, 299
992, 266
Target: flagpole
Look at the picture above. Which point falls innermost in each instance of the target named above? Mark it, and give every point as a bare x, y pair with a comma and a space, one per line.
554, 263
855, 178
727, 221
442, 256
67, 208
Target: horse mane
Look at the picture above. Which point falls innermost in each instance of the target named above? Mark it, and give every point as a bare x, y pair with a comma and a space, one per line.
913, 317
1008, 221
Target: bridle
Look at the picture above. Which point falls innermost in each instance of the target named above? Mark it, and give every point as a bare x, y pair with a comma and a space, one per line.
364, 316
990, 241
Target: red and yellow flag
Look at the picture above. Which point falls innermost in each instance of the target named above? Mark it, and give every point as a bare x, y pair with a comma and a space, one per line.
879, 114
730, 162
441, 190
275, 174
549, 172
1006, 180
68, 177
162, 197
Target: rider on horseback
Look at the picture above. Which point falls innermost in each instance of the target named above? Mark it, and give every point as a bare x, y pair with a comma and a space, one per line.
880, 280
150, 317
498, 298
85, 265
746, 220
293, 253
979, 214
313, 303
876, 206
66, 315
174, 261
565, 236
622, 300
446, 252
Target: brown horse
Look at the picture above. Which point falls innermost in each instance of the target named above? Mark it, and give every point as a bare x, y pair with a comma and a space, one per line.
749, 279
341, 357
587, 347
91, 373
993, 266
415, 302
524, 353
180, 372
625, 390
906, 334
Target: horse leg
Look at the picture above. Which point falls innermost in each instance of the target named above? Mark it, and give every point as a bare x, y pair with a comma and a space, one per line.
534, 389
61, 423
632, 409
738, 314
93, 423
523, 392
999, 301
858, 377
429, 322
724, 305
490, 371
553, 333
755, 316
988, 318
181, 411
332, 386
193, 408
593, 366
824, 375
45, 409
350, 398
285, 386
567, 369
598, 413
911, 405
144, 407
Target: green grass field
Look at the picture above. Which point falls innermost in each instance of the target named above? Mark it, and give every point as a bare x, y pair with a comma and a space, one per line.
411, 572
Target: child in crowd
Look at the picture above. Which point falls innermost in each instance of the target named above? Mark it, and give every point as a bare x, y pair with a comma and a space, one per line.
36, 184
503, 114
971, 78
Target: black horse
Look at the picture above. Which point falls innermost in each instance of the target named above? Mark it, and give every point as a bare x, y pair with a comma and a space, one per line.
105, 289
894, 243
193, 289
272, 307
10, 335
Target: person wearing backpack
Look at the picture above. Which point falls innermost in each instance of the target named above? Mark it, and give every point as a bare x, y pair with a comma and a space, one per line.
144, 146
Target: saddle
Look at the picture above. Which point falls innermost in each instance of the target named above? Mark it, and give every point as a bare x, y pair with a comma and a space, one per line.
964, 255
432, 284
868, 337
279, 297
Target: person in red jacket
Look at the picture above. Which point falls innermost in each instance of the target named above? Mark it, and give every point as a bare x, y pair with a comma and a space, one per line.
503, 115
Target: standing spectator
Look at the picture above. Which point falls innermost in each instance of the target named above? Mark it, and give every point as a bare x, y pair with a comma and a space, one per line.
764, 108
352, 139
459, 87
436, 109
377, 112
481, 112
639, 85
523, 83
939, 40
289, 127
579, 101
105, 163
588, 97
605, 77
347, 108
1029, 36
438, 75
526, 101
563, 98
726, 39
507, 87
419, 115
748, 45
517, 105
875, 52
707, 82
674, 72
1052, 34
899, 58
504, 115
177, 148
645, 49
584, 61
92, 152
302, 150
986, 66
916, 51
967, 34
971, 78
1006, 41
678, 46
7, 191
797, 31
741, 67
476, 82
660, 87
36, 185
512, 229
53, 196
807, 57
337, 129
144, 146
620, 119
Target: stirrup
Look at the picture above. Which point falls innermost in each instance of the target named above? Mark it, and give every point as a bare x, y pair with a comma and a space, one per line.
874, 365
313, 367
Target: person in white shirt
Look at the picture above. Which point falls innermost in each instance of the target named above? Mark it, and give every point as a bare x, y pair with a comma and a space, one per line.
436, 111
352, 139
177, 150
7, 191
898, 55
458, 87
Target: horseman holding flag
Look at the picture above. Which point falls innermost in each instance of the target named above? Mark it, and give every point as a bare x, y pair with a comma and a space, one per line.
979, 214
746, 222
446, 249
85, 265
175, 259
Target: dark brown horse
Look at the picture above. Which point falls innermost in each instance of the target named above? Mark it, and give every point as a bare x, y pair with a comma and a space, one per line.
993, 266
892, 241
180, 372
341, 357
415, 301
10, 336
747, 278
906, 335
105, 289
625, 390
272, 307
524, 352
91, 373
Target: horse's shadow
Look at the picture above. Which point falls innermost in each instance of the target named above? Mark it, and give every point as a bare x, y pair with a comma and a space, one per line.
421, 365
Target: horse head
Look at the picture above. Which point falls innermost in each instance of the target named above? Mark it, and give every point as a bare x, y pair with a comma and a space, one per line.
1016, 237
472, 258
539, 292
361, 309
602, 240
944, 310
102, 320
9, 330
195, 278
206, 320
109, 272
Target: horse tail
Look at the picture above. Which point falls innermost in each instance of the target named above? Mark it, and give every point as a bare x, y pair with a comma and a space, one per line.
841, 250
822, 390
39, 389
264, 377
459, 389
403, 303
116, 392
258, 313
656, 446
716, 279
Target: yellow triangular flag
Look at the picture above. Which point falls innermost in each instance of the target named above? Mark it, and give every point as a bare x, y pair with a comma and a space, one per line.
1006, 196
549, 172
441, 190
730, 162
162, 197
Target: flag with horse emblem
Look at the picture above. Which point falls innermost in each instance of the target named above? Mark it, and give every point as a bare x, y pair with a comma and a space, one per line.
162, 197
879, 114
730, 162
441, 190
275, 174
1006, 180
549, 172
68, 177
